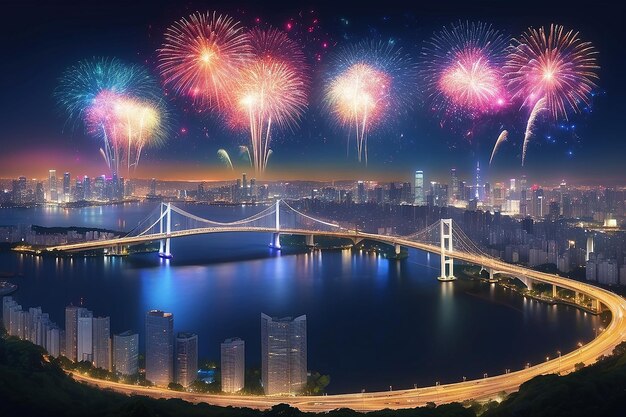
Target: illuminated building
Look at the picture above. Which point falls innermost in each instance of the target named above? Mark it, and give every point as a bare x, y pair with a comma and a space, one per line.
159, 347
186, 365
283, 354
420, 199
102, 342
233, 364
126, 353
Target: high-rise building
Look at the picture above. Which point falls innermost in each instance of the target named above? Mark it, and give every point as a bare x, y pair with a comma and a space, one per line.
86, 188
126, 353
159, 347
419, 196
478, 192
53, 194
84, 351
186, 365
360, 188
455, 185
40, 195
71, 331
283, 354
233, 365
102, 342
67, 185
153, 187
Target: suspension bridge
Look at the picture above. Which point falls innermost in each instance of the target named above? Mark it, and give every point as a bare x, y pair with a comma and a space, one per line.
443, 237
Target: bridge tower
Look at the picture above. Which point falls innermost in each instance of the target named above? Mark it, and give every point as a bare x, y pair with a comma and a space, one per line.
275, 243
165, 252
447, 262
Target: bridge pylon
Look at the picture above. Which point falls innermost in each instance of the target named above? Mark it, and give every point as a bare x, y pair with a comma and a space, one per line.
275, 243
164, 244
447, 262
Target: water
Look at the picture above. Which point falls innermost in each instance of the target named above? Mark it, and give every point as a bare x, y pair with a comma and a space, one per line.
371, 322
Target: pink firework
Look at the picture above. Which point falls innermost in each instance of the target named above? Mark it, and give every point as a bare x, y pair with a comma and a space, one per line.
462, 70
554, 64
202, 55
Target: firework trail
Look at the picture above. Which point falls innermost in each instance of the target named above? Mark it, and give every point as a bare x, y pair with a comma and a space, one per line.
371, 84
270, 92
462, 70
225, 158
244, 151
553, 64
93, 92
503, 137
202, 56
530, 125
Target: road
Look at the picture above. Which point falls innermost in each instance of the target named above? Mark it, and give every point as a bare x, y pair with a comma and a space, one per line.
484, 388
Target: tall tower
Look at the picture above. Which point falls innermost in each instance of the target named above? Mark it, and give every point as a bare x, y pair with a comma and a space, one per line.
159, 347
102, 342
233, 364
186, 358
478, 192
283, 354
419, 188
53, 194
126, 353
455, 185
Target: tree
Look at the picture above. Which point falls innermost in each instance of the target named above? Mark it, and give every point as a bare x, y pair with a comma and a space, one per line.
175, 386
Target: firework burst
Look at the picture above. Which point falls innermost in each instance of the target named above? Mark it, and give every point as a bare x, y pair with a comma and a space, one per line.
539, 106
95, 91
202, 55
554, 64
462, 70
504, 135
371, 81
270, 91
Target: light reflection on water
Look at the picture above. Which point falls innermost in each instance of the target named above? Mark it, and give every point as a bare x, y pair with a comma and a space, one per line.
372, 322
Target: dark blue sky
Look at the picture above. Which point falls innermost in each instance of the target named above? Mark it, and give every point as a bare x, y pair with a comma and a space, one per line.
41, 40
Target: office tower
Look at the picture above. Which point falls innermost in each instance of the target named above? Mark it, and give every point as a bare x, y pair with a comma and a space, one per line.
79, 192
283, 354
419, 188
455, 185
66, 187
99, 188
244, 192
40, 195
52, 186
153, 187
71, 331
233, 365
253, 190
159, 347
86, 188
360, 186
478, 192
126, 353
102, 342
19, 192
186, 365
84, 335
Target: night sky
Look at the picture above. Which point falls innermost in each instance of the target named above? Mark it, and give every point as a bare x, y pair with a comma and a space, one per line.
41, 41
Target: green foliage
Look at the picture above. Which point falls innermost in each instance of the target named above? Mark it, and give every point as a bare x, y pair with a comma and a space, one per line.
316, 383
174, 386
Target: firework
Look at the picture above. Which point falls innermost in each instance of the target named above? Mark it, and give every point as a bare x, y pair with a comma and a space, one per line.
540, 106
462, 69
371, 82
222, 154
270, 91
202, 55
92, 92
554, 64
503, 137
244, 152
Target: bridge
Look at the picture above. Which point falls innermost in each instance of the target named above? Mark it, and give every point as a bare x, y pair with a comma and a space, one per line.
443, 237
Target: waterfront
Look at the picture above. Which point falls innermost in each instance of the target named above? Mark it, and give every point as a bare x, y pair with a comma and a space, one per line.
372, 322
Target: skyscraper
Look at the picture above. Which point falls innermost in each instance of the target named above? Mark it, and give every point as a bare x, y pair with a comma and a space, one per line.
478, 192
159, 347
85, 336
360, 188
66, 186
420, 199
186, 365
126, 353
102, 342
455, 185
52, 186
71, 331
233, 364
283, 354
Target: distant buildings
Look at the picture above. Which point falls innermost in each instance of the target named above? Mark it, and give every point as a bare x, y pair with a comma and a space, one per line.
420, 198
283, 354
186, 365
233, 364
32, 325
126, 353
159, 347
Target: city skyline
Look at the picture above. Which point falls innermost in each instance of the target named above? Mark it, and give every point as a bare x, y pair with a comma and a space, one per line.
415, 141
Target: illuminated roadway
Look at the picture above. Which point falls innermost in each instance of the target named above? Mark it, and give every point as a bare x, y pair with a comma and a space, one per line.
484, 388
